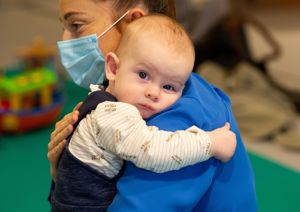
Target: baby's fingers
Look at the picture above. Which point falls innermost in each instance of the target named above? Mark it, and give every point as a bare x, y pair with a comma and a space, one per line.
227, 125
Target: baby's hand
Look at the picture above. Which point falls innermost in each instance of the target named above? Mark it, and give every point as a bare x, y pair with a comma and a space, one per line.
223, 143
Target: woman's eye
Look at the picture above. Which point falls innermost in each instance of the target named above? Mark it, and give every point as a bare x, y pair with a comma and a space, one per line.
75, 27
169, 87
143, 75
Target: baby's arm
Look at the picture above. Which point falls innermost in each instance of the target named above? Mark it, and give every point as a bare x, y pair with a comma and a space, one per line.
223, 142
122, 131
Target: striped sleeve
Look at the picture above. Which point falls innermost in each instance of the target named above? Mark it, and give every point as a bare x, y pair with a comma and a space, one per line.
122, 131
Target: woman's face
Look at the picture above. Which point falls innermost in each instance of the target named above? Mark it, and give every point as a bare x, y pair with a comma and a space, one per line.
85, 17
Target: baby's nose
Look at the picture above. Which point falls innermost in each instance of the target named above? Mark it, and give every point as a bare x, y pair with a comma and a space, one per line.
152, 93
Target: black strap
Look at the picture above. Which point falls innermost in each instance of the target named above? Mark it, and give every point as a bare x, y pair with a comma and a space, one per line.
91, 102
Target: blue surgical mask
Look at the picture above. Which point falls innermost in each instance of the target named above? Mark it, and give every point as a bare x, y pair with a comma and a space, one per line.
82, 58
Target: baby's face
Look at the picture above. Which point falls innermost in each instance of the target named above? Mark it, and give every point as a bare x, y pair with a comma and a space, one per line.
151, 76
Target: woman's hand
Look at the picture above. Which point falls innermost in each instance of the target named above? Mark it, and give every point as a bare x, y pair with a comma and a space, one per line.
63, 129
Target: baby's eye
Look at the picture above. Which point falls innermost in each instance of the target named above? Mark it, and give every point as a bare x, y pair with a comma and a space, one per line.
169, 87
143, 75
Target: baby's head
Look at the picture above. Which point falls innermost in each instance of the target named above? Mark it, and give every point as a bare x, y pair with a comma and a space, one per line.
151, 65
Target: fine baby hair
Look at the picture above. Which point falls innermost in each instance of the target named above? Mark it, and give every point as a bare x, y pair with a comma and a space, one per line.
164, 29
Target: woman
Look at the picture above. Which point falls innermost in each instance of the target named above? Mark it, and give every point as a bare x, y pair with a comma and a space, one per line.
207, 184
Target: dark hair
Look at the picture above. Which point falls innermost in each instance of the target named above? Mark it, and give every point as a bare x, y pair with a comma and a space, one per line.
165, 7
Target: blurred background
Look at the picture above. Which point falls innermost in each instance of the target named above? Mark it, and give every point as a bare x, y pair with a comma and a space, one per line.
249, 48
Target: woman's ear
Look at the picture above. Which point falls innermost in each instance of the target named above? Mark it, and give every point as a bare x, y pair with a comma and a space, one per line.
111, 65
135, 13
132, 15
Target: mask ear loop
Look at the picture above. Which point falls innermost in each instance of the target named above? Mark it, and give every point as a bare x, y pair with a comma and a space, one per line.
117, 21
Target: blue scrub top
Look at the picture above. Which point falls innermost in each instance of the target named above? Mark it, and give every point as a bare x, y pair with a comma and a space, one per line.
207, 186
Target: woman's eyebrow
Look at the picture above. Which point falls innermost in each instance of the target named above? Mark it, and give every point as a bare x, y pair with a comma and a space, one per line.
69, 14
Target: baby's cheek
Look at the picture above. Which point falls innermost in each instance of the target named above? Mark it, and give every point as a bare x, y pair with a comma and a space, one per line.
172, 100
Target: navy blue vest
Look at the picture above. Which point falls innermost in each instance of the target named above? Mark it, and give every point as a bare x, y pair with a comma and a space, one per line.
79, 187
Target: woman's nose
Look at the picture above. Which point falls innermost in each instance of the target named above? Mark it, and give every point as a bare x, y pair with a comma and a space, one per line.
66, 35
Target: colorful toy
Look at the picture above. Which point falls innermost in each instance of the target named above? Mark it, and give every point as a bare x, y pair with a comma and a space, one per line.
29, 98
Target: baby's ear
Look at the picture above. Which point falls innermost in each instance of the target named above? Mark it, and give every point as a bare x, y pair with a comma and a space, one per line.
111, 65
